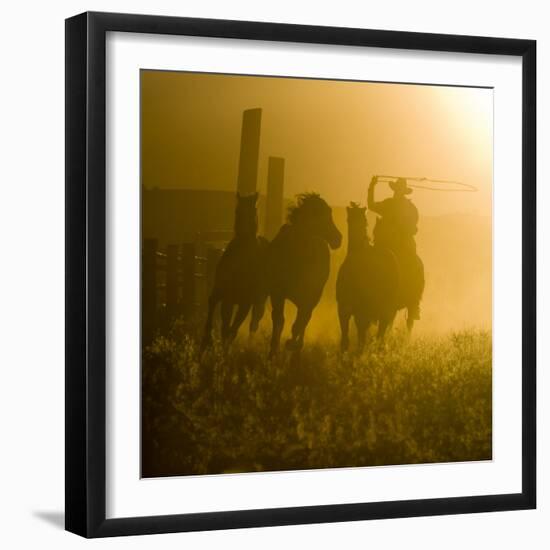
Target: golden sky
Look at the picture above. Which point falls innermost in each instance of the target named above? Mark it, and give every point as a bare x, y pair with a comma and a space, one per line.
334, 135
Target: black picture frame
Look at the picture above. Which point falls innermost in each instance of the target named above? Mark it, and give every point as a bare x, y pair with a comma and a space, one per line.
86, 284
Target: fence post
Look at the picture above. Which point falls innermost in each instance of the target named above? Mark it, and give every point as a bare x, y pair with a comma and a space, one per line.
149, 288
187, 278
274, 199
250, 146
171, 279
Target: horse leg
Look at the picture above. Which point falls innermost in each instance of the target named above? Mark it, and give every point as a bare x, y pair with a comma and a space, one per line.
258, 309
278, 319
207, 336
298, 329
411, 316
385, 322
413, 308
240, 316
361, 325
382, 327
226, 314
344, 317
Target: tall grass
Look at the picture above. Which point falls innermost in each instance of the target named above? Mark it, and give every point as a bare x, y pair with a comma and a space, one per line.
427, 400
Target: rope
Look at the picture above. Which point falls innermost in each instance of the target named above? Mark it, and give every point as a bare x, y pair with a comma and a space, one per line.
463, 187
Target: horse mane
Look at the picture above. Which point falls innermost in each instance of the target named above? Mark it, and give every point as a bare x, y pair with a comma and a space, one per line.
304, 203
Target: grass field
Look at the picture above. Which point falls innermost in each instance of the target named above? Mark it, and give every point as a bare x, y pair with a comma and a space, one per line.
426, 400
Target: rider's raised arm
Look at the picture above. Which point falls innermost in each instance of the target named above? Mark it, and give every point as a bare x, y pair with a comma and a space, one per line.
371, 203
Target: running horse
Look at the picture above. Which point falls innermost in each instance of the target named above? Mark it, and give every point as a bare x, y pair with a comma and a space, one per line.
240, 278
367, 285
299, 265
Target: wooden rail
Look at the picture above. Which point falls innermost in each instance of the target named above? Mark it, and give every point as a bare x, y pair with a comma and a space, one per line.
175, 282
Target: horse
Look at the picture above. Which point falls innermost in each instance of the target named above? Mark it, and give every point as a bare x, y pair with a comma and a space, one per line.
412, 285
299, 265
240, 278
367, 284
411, 270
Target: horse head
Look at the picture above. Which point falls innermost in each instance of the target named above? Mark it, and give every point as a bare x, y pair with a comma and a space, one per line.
357, 216
357, 226
246, 216
314, 215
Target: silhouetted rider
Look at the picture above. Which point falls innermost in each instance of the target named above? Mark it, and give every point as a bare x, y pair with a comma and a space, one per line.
397, 226
395, 229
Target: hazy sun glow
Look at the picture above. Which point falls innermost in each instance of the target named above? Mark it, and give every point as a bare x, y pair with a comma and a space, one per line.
334, 136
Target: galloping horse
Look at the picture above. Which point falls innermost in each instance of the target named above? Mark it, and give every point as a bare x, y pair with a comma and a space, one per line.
299, 264
411, 287
367, 284
240, 278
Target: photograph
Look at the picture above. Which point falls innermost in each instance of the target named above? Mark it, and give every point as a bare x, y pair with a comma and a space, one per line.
275, 275
316, 273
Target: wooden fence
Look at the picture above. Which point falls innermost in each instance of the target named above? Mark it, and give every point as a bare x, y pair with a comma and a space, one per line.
175, 281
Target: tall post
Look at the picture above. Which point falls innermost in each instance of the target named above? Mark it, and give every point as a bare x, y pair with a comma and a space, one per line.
250, 148
149, 288
274, 200
172, 279
188, 278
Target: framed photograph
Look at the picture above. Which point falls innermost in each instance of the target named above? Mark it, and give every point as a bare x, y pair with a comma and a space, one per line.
300, 274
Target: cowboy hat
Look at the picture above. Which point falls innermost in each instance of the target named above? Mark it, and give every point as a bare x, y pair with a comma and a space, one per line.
400, 185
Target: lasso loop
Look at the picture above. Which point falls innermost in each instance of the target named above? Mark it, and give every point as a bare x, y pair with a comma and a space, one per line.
455, 186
